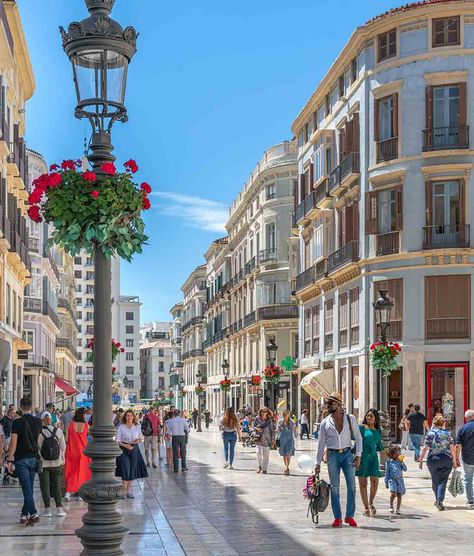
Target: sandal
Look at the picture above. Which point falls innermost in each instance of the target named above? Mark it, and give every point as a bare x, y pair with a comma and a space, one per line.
372, 509
367, 512
286, 472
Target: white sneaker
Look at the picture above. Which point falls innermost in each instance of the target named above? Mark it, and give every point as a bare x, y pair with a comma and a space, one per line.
231, 467
47, 513
67, 496
62, 512
226, 465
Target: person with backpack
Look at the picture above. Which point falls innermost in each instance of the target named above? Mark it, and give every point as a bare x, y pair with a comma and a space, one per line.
151, 430
52, 447
337, 432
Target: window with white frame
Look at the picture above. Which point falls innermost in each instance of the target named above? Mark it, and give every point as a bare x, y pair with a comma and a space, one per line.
270, 191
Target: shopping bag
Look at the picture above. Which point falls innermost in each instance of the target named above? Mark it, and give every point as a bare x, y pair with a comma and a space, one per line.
455, 483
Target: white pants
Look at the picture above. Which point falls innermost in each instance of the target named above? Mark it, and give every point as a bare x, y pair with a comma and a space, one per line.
404, 442
263, 455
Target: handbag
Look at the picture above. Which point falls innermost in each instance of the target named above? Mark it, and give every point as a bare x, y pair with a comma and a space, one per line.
455, 484
318, 491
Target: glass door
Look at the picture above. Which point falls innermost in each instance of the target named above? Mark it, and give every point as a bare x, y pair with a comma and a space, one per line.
446, 116
446, 215
447, 392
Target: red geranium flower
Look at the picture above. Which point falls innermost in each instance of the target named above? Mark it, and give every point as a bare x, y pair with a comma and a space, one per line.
53, 168
89, 176
108, 168
146, 187
34, 213
41, 182
35, 196
146, 203
95, 194
131, 166
54, 179
121, 350
68, 165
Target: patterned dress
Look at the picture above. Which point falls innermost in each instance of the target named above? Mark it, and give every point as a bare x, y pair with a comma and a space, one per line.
394, 469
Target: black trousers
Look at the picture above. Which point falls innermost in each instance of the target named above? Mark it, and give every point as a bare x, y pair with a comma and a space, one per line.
304, 430
179, 443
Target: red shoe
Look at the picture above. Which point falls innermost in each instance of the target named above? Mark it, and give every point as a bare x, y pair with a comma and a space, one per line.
337, 523
351, 521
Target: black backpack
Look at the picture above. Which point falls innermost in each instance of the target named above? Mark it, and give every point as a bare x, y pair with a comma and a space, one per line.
50, 448
319, 499
147, 429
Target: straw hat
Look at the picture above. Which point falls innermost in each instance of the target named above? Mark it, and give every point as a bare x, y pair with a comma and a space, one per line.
335, 397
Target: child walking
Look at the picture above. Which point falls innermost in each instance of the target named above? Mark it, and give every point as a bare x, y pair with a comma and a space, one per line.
394, 469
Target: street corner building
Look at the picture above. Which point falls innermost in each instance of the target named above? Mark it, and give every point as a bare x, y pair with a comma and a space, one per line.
384, 202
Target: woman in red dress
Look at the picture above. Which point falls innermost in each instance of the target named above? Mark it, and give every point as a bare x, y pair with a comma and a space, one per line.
77, 470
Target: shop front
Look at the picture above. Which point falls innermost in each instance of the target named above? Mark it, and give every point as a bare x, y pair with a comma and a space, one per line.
447, 392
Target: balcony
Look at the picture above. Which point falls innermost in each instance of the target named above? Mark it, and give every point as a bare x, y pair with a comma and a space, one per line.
285, 311
305, 207
349, 253
249, 319
48, 311
5, 223
250, 265
446, 237
321, 194
387, 149
191, 322
388, 243
321, 268
193, 353
32, 305
267, 255
67, 344
305, 279
448, 328
347, 170
448, 137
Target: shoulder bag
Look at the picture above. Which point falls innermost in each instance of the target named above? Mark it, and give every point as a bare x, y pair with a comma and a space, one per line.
353, 446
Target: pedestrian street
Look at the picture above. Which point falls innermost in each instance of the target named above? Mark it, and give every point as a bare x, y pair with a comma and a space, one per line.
215, 511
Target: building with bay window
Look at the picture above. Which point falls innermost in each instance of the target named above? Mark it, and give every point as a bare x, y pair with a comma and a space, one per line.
249, 298
383, 202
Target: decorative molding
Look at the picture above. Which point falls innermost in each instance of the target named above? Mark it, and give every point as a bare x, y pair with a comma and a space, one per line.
387, 88
388, 178
446, 170
469, 19
415, 26
443, 77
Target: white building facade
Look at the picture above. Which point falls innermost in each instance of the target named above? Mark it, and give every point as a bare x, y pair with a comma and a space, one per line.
384, 202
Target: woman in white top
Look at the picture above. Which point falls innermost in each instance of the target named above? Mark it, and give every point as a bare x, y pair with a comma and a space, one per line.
50, 477
130, 464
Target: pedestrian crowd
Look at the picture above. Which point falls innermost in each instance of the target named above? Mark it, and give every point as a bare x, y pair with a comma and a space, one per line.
53, 444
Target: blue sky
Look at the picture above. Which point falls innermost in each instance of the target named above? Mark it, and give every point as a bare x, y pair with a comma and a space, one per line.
212, 86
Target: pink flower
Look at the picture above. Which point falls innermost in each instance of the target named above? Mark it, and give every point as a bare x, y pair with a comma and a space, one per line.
145, 187
108, 168
95, 194
89, 176
131, 166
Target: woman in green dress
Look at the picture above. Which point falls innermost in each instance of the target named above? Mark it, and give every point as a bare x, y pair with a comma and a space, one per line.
369, 462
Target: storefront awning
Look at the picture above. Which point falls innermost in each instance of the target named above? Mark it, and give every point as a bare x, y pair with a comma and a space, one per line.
65, 386
318, 384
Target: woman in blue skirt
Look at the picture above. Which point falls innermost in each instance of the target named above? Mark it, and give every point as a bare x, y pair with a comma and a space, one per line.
286, 432
130, 464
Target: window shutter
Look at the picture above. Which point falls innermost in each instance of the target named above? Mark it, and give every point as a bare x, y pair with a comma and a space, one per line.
348, 135
295, 194
342, 226
302, 187
462, 210
376, 119
311, 177
395, 115
462, 115
371, 213
355, 133
355, 220
399, 208
429, 202
342, 143
429, 116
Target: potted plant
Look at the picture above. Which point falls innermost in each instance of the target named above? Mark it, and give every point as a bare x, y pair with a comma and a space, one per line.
383, 356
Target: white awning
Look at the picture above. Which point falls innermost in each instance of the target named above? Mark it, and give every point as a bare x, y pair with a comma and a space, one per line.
318, 384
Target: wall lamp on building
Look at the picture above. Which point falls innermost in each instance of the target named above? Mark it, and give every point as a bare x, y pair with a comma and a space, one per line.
383, 310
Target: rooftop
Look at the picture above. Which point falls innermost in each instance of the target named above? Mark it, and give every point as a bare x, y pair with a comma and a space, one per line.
407, 7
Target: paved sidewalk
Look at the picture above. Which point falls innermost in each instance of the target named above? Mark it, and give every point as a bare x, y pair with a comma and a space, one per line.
214, 511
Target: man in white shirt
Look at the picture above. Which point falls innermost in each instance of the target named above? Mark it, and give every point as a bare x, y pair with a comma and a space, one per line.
178, 428
336, 434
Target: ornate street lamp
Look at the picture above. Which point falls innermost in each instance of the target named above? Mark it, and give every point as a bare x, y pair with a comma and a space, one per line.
272, 349
225, 369
100, 51
383, 310
198, 378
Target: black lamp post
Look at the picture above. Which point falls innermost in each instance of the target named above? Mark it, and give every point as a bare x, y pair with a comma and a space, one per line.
225, 369
100, 51
383, 310
272, 349
199, 424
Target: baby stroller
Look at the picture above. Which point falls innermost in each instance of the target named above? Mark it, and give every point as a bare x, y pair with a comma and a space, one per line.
7, 475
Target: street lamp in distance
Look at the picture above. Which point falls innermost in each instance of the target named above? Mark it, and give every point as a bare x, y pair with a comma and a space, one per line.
272, 349
225, 369
100, 50
199, 424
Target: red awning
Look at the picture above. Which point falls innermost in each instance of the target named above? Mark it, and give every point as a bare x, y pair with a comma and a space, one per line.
65, 386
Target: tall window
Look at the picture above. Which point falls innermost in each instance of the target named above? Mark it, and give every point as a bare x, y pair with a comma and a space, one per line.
307, 332
271, 236
129, 343
129, 356
271, 191
446, 31
387, 45
387, 211
446, 113
328, 325
354, 311
129, 316
343, 320
129, 330
315, 318
445, 214
448, 307
386, 127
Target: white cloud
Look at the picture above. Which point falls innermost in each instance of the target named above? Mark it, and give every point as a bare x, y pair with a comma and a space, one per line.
199, 213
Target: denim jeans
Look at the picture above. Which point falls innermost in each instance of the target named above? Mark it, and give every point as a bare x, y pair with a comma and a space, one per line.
440, 466
229, 438
336, 462
179, 442
25, 471
416, 440
468, 481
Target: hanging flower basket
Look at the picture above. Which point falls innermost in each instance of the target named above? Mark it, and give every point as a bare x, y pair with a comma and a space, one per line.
89, 210
272, 374
256, 380
116, 348
181, 393
225, 384
199, 389
383, 356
